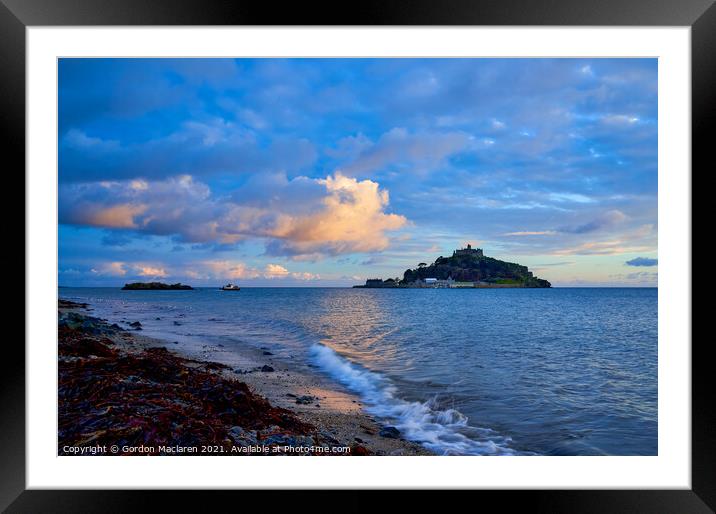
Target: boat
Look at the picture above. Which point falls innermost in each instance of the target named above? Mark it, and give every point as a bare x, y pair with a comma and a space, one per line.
230, 287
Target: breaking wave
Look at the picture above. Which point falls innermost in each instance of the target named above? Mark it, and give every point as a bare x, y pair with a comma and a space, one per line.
443, 431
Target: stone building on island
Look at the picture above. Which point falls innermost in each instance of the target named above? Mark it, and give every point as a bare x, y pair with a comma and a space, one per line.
468, 251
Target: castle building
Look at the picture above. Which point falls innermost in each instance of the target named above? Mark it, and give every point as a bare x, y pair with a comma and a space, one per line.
468, 251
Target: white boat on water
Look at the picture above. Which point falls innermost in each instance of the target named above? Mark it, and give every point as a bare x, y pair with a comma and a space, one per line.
230, 287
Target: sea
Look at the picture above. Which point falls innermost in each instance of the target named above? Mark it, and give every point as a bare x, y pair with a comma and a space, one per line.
558, 371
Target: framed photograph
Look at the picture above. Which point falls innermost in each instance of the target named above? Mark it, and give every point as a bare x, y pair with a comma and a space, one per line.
417, 248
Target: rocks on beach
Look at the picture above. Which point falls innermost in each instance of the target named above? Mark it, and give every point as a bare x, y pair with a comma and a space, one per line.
287, 440
67, 304
91, 325
115, 387
327, 437
152, 397
389, 432
243, 437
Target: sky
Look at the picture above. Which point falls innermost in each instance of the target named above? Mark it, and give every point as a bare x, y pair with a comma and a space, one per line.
326, 172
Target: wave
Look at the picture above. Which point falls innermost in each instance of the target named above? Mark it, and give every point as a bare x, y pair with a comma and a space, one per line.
443, 431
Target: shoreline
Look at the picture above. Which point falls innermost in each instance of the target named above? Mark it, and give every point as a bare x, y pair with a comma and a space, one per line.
308, 411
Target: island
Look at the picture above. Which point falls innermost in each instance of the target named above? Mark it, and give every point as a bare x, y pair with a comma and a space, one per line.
466, 268
153, 286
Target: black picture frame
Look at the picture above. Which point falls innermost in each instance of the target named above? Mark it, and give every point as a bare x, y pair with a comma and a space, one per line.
17, 15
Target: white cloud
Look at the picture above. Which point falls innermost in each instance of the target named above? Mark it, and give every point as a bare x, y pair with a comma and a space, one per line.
235, 270
302, 217
121, 269
350, 219
112, 269
305, 276
275, 271
150, 271
230, 270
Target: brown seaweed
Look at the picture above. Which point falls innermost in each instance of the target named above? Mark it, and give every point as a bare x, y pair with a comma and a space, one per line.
153, 397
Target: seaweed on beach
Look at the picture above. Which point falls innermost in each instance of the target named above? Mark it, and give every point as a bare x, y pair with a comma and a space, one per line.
67, 304
153, 397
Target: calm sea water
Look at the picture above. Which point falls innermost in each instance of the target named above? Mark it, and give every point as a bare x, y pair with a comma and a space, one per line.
488, 371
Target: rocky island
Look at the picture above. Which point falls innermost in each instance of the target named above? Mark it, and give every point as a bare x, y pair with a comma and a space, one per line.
147, 286
466, 268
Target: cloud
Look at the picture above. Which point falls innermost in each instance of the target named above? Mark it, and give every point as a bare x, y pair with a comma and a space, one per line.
643, 278
112, 269
230, 270
619, 119
300, 218
601, 248
532, 233
150, 207
606, 220
351, 219
121, 269
234, 270
618, 240
373, 260
116, 216
305, 276
570, 197
77, 139
350, 147
421, 151
196, 275
642, 261
149, 271
202, 148
275, 271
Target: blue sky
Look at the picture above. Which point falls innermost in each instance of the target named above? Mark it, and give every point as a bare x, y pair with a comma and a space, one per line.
305, 172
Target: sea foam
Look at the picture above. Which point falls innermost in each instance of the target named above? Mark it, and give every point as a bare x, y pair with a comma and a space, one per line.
443, 431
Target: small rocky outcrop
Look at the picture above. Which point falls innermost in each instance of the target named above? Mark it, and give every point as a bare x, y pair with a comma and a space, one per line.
149, 286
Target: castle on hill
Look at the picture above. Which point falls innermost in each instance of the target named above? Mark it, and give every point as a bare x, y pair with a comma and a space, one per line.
467, 268
468, 251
